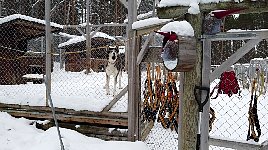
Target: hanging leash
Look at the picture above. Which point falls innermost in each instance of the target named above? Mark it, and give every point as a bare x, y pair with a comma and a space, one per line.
200, 108
253, 112
148, 97
173, 105
169, 100
212, 118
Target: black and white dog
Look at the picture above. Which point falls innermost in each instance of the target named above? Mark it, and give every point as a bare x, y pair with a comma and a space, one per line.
115, 66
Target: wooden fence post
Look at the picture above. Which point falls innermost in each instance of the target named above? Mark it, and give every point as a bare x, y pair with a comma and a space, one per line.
189, 107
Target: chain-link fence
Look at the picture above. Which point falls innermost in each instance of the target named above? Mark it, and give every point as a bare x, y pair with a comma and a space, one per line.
240, 112
78, 73
241, 107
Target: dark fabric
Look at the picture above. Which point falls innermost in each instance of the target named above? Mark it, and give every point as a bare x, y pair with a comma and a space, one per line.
228, 83
211, 25
170, 51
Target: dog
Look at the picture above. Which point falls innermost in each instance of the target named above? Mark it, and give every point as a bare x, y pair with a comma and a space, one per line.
115, 66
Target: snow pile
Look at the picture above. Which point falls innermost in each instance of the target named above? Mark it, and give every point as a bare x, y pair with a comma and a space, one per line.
149, 22
182, 28
19, 134
193, 4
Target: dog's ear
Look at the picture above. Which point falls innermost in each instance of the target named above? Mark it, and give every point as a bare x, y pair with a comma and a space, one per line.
107, 52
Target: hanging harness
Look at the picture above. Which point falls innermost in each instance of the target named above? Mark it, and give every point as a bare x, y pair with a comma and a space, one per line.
169, 104
254, 123
149, 111
228, 84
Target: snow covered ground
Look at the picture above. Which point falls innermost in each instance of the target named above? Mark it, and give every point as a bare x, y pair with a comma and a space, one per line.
21, 134
78, 91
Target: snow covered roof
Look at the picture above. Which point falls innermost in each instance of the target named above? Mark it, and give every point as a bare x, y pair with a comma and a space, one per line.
78, 39
18, 28
28, 18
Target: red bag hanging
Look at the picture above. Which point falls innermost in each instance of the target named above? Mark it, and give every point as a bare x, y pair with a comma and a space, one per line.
228, 84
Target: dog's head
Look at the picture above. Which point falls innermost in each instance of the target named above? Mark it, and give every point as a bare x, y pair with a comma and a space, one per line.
112, 53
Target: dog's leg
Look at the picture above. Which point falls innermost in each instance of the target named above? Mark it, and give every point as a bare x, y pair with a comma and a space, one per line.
115, 82
120, 77
107, 84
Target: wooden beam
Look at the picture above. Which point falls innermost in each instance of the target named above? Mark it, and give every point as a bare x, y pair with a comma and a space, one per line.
133, 73
27, 108
264, 145
116, 98
233, 58
69, 118
241, 35
144, 48
233, 144
206, 67
178, 12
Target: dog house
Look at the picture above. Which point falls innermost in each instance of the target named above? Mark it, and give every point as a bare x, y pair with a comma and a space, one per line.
75, 52
16, 31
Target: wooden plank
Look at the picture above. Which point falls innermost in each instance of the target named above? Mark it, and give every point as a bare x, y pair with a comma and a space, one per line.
241, 35
116, 98
233, 58
181, 109
144, 48
132, 70
62, 111
264, 145
230, 36
146, 130
69, 118
233, 144
206, 67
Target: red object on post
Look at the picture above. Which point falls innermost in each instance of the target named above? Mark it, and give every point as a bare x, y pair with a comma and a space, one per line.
222, 13
168, 36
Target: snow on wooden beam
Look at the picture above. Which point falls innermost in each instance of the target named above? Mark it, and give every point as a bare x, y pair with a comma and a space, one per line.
241, 35
148, 29
179, 11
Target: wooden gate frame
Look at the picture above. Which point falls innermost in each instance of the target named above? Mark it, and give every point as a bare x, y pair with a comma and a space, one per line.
187, 108
254, 38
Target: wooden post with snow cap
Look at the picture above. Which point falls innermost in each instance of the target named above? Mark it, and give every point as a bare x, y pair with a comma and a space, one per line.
188, 105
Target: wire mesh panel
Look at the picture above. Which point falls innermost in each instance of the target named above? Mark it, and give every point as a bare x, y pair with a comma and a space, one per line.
241, 112
160, 100
78, 69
